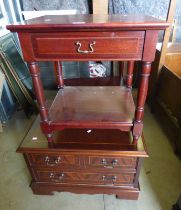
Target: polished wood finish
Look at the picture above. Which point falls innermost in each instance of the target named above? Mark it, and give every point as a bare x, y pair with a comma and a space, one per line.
129, 76
92, 107
95, 140
97, 161
38, 88
100, 161
108, 45
91, 178
81, 22
115, 37
141, 98
59, 74
103, 81
90, 37
55, 160
121, 193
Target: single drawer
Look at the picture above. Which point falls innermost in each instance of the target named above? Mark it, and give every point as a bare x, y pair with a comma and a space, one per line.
54, 160
88, 45
111, 162
85, 177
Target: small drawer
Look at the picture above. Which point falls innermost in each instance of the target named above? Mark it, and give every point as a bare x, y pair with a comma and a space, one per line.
54, 160
111, 162
85, 177
88, 45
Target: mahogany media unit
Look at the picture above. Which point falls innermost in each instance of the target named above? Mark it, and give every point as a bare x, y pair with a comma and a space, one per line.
94, 133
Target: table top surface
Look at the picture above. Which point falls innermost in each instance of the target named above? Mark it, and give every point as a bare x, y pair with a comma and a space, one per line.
90, 21
83, 140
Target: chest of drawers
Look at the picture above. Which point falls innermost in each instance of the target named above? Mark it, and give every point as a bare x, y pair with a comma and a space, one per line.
102, 165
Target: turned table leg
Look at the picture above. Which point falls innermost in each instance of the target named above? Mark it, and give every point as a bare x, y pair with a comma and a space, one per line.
141, 98
58, 74
129, 76
38, 88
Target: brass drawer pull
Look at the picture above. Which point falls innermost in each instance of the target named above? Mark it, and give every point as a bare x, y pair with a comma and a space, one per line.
109, 178
85, 51
111, 165
54, 162
59, 177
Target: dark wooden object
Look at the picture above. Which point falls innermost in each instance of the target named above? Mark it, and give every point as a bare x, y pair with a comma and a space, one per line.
129, 76
106, 158
84, 38
127, 79
167, 105
103, 81
101, 161
58, 73
164, 94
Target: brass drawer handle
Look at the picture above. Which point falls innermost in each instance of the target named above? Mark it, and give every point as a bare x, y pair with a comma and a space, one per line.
85, 51
58, 179
52, 163
109, 178
112, 165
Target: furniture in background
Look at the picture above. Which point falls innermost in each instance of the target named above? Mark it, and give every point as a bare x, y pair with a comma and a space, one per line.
166, 102
164, 85
162, 50
93, 133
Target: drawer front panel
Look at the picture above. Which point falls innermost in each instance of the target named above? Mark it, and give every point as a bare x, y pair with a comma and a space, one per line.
93, 45
111, 162
85, 177
54, 160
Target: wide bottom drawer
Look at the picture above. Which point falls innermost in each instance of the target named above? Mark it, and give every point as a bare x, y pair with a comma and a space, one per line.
85, 177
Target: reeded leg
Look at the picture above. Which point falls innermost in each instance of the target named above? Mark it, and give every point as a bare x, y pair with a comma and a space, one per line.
58, 73
141, 98
38, 88
129, 76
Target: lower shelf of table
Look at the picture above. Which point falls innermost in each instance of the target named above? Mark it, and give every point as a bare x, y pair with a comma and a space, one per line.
126, 192
92, 107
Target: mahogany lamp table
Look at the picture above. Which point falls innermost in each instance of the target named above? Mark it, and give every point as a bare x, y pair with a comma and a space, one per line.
106, 111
